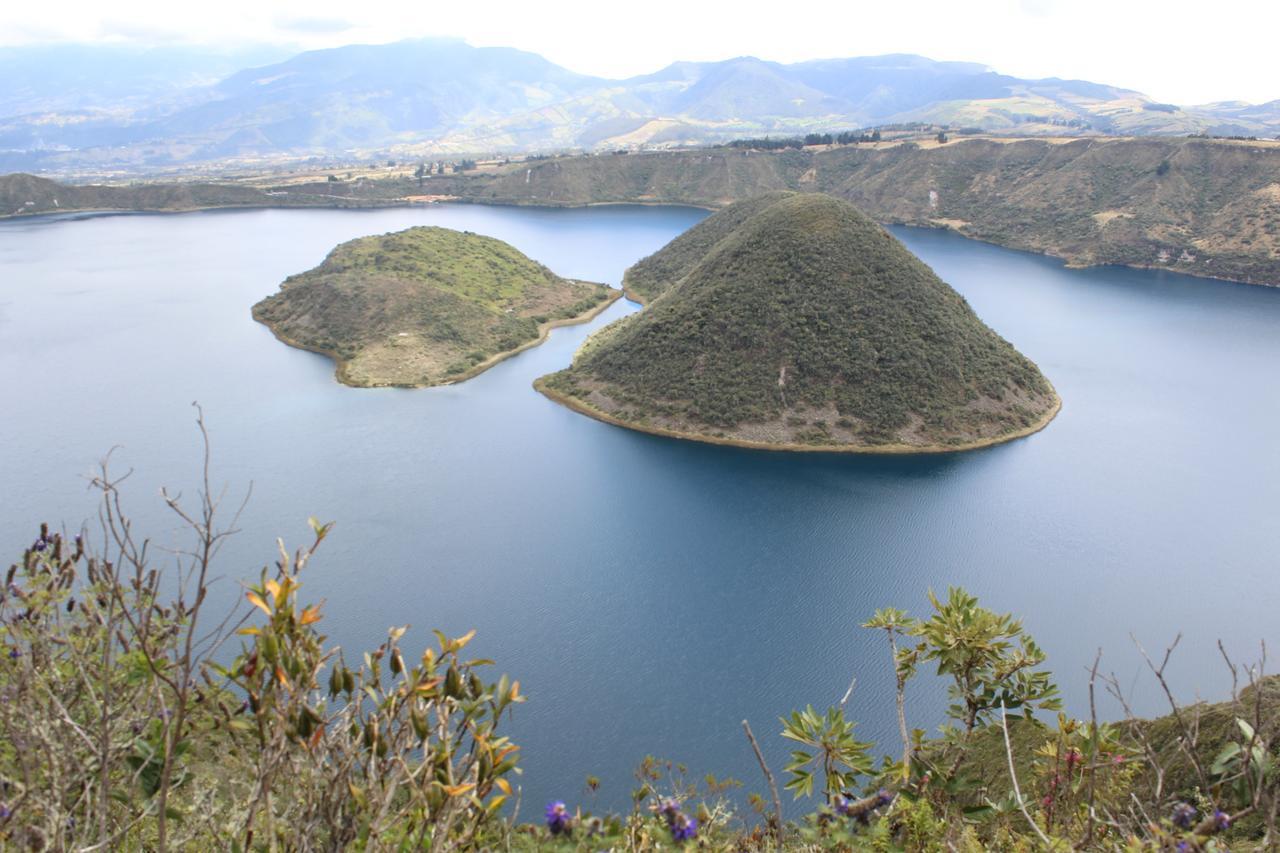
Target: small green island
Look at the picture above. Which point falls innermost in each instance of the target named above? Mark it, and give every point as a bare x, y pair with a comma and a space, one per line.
425, 306
791, 321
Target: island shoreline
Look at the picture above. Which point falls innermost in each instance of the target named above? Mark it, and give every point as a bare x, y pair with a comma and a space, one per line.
544, 331
583, 408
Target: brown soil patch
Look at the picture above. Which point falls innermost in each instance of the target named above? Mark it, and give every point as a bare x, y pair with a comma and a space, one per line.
1105, 217
814, 429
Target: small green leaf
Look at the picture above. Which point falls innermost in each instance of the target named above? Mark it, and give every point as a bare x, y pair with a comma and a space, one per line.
1245, 728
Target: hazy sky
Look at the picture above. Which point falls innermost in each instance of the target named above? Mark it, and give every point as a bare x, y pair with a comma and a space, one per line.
1175, 51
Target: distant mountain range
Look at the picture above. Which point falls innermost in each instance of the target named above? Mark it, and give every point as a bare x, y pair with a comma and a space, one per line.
74, 108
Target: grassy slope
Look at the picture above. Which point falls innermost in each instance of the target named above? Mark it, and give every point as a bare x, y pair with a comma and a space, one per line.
987, 759
423, 306
805, 323
1140, 202
1203, 207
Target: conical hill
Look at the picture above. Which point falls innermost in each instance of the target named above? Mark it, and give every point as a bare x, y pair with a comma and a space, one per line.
794, 321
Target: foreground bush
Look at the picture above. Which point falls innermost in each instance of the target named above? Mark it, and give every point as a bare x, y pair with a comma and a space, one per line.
130, 723
123, 730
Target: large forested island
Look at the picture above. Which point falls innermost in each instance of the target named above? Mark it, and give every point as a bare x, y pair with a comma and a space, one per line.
792, 321
425, 306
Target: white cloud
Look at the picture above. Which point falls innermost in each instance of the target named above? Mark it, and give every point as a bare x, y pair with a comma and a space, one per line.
312, 25
141, 32
1038, 8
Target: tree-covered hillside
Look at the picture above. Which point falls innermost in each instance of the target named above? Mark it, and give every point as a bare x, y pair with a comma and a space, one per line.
794, 320
652, 276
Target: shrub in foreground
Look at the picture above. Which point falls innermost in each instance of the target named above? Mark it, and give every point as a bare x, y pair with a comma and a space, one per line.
131, 723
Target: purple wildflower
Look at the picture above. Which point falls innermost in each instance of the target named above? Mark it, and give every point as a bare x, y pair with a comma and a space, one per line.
558, 819
683, 827
841, 805
1184, 815
14, 654
883, 798
5, 814
40, 544
1221, 821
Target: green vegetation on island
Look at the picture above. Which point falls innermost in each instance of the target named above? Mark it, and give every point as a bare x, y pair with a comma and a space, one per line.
424, 306
794, 321
650, 277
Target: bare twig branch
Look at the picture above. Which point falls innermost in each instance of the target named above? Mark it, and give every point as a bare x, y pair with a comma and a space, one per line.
1093, 750
1189, 730
773, 785
1013, 776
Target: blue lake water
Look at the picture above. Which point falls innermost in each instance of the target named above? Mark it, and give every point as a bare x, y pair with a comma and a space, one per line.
649, 593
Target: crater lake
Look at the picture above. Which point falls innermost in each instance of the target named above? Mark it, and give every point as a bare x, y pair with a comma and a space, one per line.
651, 593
